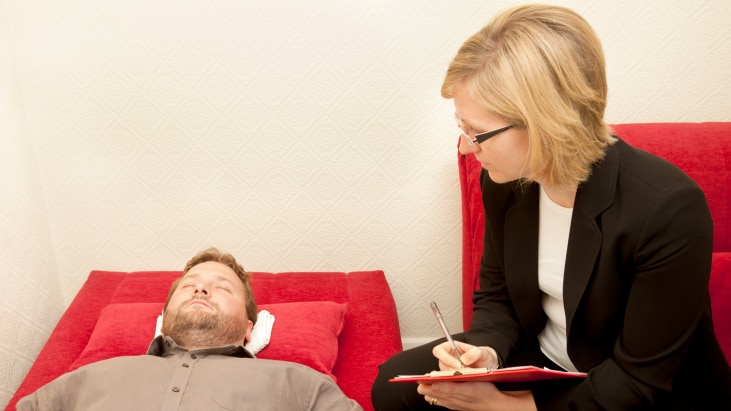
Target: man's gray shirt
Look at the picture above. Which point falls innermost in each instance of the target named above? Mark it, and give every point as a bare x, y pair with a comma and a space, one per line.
173, 378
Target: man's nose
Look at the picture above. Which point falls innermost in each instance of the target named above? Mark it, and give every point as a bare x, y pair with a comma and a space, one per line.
201, 289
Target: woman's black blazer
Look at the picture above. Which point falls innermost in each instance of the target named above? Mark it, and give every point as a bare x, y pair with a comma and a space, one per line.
635, 286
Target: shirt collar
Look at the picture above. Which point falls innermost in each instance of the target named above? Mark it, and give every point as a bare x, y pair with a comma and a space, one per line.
162, 346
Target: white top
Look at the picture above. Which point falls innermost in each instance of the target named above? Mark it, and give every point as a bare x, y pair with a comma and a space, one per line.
553, 238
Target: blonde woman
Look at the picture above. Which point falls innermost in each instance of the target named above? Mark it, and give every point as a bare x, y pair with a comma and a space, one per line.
597, 255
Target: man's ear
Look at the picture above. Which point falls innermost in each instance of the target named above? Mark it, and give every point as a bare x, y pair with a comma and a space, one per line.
249, 327
161, 323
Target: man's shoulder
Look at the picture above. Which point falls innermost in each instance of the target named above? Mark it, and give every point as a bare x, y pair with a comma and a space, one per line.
121, 362
257, 365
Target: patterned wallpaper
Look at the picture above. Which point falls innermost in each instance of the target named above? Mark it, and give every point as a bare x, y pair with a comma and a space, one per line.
297, 135
30, 292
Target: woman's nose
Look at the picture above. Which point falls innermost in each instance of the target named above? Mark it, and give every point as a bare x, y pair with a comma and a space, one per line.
467, 148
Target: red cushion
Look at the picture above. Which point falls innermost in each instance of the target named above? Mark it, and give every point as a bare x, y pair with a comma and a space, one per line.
304, 332
122, 329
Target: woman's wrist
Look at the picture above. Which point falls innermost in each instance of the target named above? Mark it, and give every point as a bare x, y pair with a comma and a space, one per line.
493, 362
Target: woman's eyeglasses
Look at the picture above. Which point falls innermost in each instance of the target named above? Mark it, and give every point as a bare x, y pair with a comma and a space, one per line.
481, 137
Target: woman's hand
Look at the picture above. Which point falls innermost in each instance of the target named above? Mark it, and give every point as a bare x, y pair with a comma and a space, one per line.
472, 356
475, 396
472, 396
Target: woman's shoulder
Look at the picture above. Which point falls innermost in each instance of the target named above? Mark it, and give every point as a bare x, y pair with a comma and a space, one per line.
643, 168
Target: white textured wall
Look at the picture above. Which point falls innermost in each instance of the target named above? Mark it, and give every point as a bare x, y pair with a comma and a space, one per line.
30, 293
299, 135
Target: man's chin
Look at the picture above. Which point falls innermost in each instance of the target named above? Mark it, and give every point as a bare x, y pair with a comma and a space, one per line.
195, 319
196, 315
195, 312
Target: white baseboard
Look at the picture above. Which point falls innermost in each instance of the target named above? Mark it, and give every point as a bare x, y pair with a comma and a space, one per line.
416, 341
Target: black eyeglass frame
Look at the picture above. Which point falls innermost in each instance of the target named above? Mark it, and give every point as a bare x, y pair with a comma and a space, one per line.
481, 137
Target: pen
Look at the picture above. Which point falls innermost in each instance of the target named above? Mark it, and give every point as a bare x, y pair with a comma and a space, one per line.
443, 326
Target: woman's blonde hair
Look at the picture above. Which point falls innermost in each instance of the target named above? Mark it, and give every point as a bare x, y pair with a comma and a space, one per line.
541, 68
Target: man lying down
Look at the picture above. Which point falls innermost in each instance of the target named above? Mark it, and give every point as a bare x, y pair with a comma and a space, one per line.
199, 362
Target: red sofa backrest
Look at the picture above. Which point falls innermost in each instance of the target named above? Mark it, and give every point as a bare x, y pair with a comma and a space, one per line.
703, 151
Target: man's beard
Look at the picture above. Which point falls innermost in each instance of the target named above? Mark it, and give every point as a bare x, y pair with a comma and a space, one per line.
197, 328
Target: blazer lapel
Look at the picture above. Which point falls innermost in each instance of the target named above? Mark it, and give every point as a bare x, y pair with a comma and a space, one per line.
585, 239
521, 249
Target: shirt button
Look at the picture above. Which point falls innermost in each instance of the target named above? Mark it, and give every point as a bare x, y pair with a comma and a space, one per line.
185, 364
176, 389
193, 356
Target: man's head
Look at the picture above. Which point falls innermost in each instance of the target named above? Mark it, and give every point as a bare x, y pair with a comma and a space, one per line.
211, 304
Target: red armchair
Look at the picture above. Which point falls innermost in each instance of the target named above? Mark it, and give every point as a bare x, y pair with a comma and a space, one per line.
702, 150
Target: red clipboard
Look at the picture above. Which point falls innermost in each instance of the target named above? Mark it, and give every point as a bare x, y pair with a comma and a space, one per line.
501, 375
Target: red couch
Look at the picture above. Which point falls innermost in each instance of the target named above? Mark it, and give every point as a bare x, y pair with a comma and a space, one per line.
702, 150
341, 324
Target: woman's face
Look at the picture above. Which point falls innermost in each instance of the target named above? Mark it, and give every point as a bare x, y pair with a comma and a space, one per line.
504, 155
